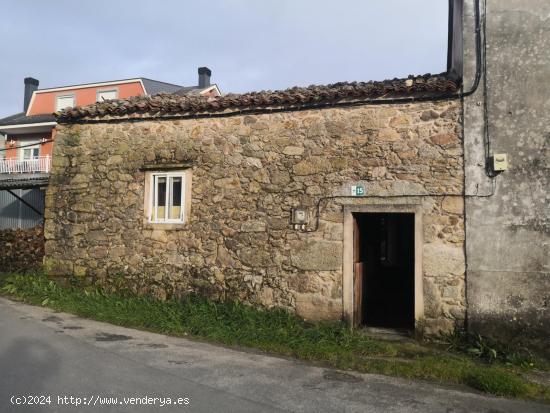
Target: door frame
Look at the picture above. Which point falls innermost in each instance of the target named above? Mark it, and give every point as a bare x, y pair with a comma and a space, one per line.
348, 255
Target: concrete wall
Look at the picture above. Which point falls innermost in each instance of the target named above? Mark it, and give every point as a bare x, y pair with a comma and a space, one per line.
508, 234
247, 173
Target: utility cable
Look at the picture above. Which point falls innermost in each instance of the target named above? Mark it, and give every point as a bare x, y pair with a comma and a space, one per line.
486, 128
26, 146
379, 196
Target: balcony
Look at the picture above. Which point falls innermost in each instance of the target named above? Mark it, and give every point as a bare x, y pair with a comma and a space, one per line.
41, 164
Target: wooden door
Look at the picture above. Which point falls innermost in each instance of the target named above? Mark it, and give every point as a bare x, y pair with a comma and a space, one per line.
358, 271
358, 275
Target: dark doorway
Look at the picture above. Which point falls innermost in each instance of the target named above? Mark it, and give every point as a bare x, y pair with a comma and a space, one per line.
384, 270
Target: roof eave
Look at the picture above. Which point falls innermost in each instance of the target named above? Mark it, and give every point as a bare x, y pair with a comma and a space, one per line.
27, 128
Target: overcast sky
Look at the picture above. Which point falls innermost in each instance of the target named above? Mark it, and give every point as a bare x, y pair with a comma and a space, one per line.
248, 44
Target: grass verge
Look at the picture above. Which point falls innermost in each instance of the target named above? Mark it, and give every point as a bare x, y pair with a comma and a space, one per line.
278, 332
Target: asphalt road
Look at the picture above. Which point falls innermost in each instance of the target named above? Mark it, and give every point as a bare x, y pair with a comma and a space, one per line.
43, 354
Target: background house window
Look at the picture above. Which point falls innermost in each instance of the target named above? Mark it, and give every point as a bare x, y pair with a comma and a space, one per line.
65, 101
107, 95
29, 152
167, 198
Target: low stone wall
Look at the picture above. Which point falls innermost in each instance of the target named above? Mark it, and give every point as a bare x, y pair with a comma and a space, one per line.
21, 249
247, 173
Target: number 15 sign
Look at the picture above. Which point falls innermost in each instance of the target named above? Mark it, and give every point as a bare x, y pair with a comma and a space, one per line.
357, 190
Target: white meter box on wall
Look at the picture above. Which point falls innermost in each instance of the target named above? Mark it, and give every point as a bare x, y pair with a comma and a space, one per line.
299, 216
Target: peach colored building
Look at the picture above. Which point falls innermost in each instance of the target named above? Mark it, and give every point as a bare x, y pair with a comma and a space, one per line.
26, 138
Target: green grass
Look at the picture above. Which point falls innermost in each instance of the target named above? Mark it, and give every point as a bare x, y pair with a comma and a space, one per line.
276, 331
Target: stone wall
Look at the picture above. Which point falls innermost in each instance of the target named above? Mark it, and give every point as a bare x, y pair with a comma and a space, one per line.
21, 249
247, 174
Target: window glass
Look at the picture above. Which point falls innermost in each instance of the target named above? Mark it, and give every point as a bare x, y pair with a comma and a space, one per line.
160, 198
175, 207
167, 197
63, 102
31, 153
106, 95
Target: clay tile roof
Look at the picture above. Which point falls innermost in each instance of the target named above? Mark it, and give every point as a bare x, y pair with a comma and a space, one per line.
166, 104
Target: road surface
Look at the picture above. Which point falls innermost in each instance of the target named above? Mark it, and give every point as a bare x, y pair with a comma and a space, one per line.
48, 357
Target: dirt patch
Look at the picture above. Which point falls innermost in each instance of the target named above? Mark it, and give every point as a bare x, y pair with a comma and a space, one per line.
178, 362
152, 345
111, 337
52, 319
333, 375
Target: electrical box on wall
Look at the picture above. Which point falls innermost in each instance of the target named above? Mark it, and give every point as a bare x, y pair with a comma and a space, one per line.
499, 162
299, 216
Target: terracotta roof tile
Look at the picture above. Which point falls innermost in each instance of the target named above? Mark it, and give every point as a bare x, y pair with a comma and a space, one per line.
172, 104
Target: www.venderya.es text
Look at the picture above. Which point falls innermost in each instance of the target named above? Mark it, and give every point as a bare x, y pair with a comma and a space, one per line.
97, 400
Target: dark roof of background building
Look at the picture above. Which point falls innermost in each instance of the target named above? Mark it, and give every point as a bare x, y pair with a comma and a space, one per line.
22, 119
190, 90
153, 87
166, 104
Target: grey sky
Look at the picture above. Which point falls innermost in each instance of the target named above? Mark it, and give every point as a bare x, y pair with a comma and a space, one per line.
248, 44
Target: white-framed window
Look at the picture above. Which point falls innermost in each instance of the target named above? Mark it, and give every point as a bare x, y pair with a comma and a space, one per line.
167, 197
107, 95
29, 152
64, 101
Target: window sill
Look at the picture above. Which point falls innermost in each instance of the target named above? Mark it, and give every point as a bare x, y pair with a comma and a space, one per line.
165, 227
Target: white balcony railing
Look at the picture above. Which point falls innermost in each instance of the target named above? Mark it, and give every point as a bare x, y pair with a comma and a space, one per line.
36, 165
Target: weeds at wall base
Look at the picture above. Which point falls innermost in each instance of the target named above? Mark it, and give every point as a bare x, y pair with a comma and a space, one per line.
276, 331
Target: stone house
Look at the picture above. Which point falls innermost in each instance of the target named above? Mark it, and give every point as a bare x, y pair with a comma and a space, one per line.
373, 202
307, 199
